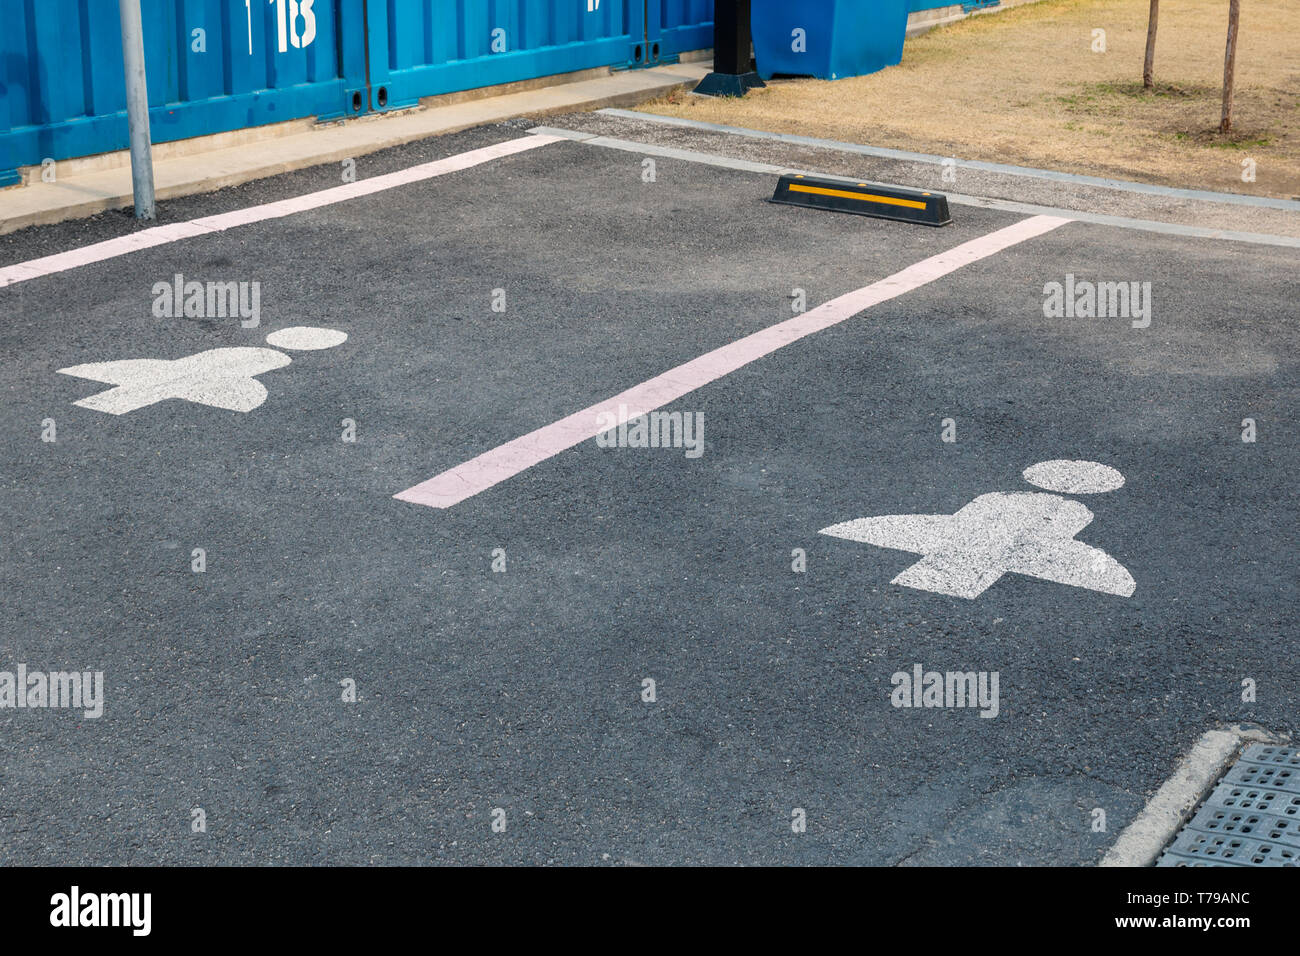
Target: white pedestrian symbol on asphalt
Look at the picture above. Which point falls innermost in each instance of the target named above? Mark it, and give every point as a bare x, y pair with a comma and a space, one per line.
220, 378
1027, 533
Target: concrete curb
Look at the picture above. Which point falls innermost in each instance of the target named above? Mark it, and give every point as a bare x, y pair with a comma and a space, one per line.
1028, 209
107, 184
1142, 840
922, 21
882, 152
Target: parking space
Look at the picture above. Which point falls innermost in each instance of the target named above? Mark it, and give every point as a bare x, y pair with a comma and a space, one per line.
232, 556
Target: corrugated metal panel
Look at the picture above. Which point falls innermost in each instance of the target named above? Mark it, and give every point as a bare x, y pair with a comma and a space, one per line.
62, 73
679, 25
426, 47
265, 61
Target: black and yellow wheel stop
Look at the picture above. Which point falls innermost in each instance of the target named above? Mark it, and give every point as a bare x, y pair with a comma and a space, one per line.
863, 199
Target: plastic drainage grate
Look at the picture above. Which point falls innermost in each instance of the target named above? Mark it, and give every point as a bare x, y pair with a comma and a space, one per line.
1251, 818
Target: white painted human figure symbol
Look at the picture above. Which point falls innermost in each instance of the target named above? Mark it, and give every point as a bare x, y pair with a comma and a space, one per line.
220, 378
1026, 533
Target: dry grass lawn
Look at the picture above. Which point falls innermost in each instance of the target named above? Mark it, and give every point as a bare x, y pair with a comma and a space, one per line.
1024, 86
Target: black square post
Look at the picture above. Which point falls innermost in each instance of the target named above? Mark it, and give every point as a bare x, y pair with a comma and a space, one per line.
731, 74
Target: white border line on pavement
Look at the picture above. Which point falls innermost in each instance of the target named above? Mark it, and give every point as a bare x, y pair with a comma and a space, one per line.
1143, 839
174, 232
1235, 199
505, 461
1028, 209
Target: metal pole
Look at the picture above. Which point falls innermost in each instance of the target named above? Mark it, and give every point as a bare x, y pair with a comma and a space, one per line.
137, 108
731, 74
731, 38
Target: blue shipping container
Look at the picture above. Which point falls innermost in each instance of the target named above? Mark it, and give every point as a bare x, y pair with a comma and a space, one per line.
218, 65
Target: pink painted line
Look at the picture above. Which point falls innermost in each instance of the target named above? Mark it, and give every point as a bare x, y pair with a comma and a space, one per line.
174, 232
505, 461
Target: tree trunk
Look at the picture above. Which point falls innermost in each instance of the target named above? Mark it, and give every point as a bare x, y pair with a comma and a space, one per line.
1230, 65
1149, 67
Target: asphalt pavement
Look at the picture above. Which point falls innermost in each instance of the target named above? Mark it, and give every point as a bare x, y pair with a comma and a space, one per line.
486, 303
